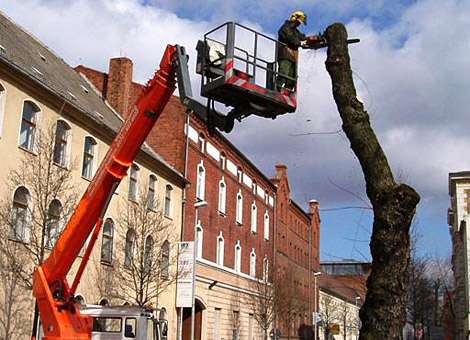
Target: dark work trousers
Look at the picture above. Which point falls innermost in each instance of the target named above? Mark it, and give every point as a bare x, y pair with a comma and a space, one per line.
286, 68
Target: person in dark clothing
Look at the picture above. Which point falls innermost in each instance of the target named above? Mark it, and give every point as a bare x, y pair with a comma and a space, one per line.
287, 52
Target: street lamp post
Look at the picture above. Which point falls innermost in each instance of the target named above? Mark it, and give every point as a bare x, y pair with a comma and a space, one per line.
199, 203
315, 337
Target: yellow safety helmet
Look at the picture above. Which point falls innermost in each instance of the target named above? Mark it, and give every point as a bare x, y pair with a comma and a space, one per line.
299, 15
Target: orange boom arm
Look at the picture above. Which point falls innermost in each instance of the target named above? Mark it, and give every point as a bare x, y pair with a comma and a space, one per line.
60, 316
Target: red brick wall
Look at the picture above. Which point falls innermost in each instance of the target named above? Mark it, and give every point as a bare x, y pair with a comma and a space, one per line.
297, 244
98, 79
213, 222
168, 137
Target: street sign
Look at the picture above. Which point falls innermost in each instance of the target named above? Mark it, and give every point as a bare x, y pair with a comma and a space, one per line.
334, 328
184, 296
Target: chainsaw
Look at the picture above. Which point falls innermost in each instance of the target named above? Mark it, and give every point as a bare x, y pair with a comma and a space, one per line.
316, 42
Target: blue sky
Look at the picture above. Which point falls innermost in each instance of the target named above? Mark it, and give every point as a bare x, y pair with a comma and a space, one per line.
411, 68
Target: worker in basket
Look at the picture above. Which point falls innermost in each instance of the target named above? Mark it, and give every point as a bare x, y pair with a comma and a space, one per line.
287, 52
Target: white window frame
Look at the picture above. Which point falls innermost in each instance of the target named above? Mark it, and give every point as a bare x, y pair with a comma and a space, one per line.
238, 257
3, 99
129, 252
265, 269
165, 264
254, 218
35, 129
111, 238
65, 158
133, 188
220, 250
239, 208
201, 181
253, 263
168, 206
199, 239
25, 234
266, 225
222, 196
49, 239
94, 157
152, 190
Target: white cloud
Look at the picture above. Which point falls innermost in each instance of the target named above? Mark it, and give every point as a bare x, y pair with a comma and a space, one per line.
412, 73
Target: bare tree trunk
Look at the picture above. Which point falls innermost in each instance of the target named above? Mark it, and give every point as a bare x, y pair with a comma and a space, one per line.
383, 313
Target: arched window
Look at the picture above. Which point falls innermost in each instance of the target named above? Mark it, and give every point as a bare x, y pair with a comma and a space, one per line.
29, 121
104, 302
201, 182
238, 257
53, 225
199, 239
253, 263
20, 215
266, 225
222, 196
220, 250
239, 209
265, 269
165, 264
254, 218
129, 248
89, 157
107, 242
168, 193
3, 96
80, 300
151, 196
133, 186
148, 254
63, 135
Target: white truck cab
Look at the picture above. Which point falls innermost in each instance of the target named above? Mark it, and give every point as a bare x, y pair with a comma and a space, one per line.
126, 323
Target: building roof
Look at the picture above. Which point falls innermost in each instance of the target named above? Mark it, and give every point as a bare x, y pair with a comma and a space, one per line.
456, 176
24, 53
351, 289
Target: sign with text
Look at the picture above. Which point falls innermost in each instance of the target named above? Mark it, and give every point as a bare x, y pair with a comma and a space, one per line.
184, 294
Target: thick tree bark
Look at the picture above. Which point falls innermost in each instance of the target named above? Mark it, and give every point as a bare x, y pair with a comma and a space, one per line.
383, 313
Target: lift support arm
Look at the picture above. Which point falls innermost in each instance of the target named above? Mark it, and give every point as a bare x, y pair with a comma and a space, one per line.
60, 317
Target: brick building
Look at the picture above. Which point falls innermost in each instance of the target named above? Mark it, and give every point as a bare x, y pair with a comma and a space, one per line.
231, 207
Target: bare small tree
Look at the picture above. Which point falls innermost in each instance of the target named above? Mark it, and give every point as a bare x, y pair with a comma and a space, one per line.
330, 311
14, 297
289, 302
266, 300
39, 200
149, 248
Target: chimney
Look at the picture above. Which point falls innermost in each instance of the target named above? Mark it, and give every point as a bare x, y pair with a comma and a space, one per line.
119, 84
312, 208
280, 167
